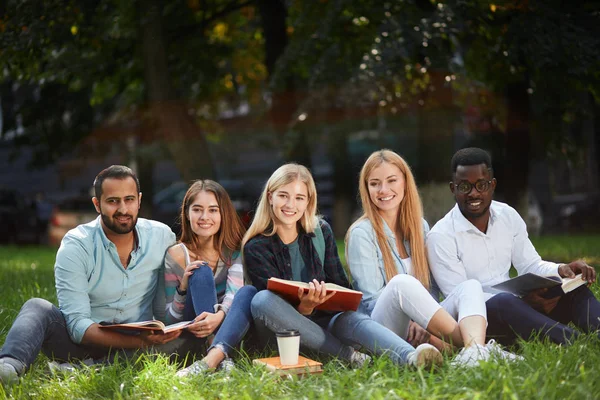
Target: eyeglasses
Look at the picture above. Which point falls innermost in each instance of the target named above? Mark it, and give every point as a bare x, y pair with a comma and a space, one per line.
465, 187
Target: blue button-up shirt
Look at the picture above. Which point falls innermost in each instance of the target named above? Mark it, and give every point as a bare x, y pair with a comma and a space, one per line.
93, 286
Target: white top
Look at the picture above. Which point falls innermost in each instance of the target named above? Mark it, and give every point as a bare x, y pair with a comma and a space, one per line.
407, 265
459, 251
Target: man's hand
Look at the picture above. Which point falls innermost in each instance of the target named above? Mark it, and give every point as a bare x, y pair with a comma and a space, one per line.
539, 303
316, 295
578, 267
149, 338
416, 334
206, 323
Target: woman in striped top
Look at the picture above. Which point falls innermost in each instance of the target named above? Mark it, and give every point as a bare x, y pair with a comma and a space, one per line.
204, 275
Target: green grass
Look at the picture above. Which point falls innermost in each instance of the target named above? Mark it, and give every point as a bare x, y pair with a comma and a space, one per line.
549, 372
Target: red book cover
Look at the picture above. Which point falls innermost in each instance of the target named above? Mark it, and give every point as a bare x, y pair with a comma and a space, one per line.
344, 299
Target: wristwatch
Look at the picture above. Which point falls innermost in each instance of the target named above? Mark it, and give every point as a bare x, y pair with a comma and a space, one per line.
180, 292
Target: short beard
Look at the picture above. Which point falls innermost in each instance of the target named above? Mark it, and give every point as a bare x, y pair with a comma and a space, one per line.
115, 227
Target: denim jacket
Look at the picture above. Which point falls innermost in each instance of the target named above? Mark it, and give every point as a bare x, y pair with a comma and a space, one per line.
365, 261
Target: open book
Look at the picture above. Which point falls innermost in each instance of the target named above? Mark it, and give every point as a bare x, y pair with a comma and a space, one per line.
344, 300
523, 284
305, 366
152, 325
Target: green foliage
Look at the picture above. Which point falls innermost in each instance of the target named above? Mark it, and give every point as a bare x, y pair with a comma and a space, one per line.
90, 55
548, 372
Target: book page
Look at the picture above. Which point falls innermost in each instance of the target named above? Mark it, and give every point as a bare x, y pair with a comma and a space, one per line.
329, 286
178, 325
572, 283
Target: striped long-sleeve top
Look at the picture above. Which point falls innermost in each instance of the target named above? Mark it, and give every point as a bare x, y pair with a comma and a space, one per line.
228, 280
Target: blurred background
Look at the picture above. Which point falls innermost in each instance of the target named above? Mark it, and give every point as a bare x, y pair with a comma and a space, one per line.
229, 90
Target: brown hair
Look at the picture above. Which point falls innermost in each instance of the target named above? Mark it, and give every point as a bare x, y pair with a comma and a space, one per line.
409, 219
228, 239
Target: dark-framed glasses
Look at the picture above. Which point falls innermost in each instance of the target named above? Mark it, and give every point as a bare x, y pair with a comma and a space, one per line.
465, 187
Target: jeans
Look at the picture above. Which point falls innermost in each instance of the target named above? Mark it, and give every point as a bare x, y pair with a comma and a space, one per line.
332, 334
404, 299
40, 326
202, 297
509, 317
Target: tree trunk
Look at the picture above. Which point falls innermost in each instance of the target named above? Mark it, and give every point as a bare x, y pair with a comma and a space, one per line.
518, 146
168, 117
284, 104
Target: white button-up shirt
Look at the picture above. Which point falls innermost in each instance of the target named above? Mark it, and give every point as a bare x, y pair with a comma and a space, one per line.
459, 251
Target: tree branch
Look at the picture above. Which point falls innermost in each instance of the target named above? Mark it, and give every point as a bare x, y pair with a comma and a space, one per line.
231, 7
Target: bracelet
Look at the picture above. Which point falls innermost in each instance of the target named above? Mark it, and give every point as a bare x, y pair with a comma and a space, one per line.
180, 292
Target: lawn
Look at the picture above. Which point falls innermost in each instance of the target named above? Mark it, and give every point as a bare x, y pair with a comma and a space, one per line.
548, 372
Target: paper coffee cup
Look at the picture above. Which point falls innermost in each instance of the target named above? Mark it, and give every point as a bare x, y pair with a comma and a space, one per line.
288, 342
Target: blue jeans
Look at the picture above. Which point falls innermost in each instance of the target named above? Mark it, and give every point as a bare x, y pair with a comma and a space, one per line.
40, 326
202, 296
509, 317
332, 334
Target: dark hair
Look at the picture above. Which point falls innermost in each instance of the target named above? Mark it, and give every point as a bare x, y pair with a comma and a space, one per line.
471, 156
228, 239
114, 172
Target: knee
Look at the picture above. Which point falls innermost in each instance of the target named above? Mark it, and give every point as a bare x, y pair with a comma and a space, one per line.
38, 305
261, 302
203, 275
403, 282
472, 286
248, 289
246, 292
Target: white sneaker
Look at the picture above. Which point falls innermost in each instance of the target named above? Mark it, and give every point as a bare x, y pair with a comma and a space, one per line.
8, 374
470, 356
425, 355
496, 351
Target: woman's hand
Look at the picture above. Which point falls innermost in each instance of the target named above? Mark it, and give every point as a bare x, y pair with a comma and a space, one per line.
416, 334
189, 271
316, 295
206, 323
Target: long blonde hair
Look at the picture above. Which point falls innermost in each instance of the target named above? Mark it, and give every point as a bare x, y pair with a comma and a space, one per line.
409, 219
263, 222
228, 239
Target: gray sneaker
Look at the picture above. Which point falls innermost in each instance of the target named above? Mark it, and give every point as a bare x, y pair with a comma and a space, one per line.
227, 366
358, 359
197, 368
426, 356
8, 374
66, 367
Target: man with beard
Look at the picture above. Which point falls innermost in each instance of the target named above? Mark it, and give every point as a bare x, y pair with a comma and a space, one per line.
106, 270
480, 239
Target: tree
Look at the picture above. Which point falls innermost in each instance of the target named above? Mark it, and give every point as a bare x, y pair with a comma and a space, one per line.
530, 50
129, 70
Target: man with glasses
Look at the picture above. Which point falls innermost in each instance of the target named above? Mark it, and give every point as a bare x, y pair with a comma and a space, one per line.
481, 238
